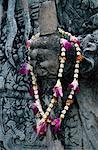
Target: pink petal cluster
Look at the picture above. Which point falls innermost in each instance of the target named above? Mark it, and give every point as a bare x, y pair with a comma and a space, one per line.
28, 43
58, 92
34, 108
64, 43
41, 128
75, 40
25, 69
74, 85
56, 125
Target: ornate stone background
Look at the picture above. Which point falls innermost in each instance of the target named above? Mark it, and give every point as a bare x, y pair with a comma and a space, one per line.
18, 18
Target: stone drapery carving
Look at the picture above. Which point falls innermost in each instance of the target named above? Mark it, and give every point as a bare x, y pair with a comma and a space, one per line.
81, 123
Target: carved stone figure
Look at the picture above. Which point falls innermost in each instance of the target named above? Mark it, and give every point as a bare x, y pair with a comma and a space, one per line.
18, 21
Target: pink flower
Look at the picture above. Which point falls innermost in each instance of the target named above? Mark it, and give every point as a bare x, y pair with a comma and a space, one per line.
64, 43
56, 125
28, 42
75, 86
58, 89
25, 68
75, 40
34, 108
41, 128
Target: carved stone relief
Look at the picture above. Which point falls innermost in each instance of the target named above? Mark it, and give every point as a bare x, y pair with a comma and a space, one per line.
18, 23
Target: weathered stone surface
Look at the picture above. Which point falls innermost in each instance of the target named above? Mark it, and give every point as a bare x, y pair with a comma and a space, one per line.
73, 14
47, 18
1, 82
80, 127
88, 109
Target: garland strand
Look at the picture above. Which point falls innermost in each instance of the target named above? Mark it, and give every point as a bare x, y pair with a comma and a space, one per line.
45, 119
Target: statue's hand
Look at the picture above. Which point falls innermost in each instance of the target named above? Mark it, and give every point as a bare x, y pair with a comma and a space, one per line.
44, 54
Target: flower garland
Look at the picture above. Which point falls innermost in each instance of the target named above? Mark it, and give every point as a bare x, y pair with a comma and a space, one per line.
45, 119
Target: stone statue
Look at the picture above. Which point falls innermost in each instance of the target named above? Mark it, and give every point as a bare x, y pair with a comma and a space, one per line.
18, 21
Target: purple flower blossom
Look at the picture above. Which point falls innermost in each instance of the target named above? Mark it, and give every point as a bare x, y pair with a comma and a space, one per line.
58, 89
64, 43
41, 128
28, 42
56, 125
75, 86
77, 90
75, 40
34, 108
25, 69
78, 42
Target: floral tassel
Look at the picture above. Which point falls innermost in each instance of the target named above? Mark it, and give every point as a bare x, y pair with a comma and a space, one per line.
41, 128
75, 86
25, 69
56, 125
75, 40
64, 43
34, 108
58, 89
28, 43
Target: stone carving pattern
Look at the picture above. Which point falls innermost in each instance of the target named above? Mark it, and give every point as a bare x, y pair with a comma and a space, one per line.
16, 119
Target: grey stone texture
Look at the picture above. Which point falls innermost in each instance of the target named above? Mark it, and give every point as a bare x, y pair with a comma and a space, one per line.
47, 18
18, 21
